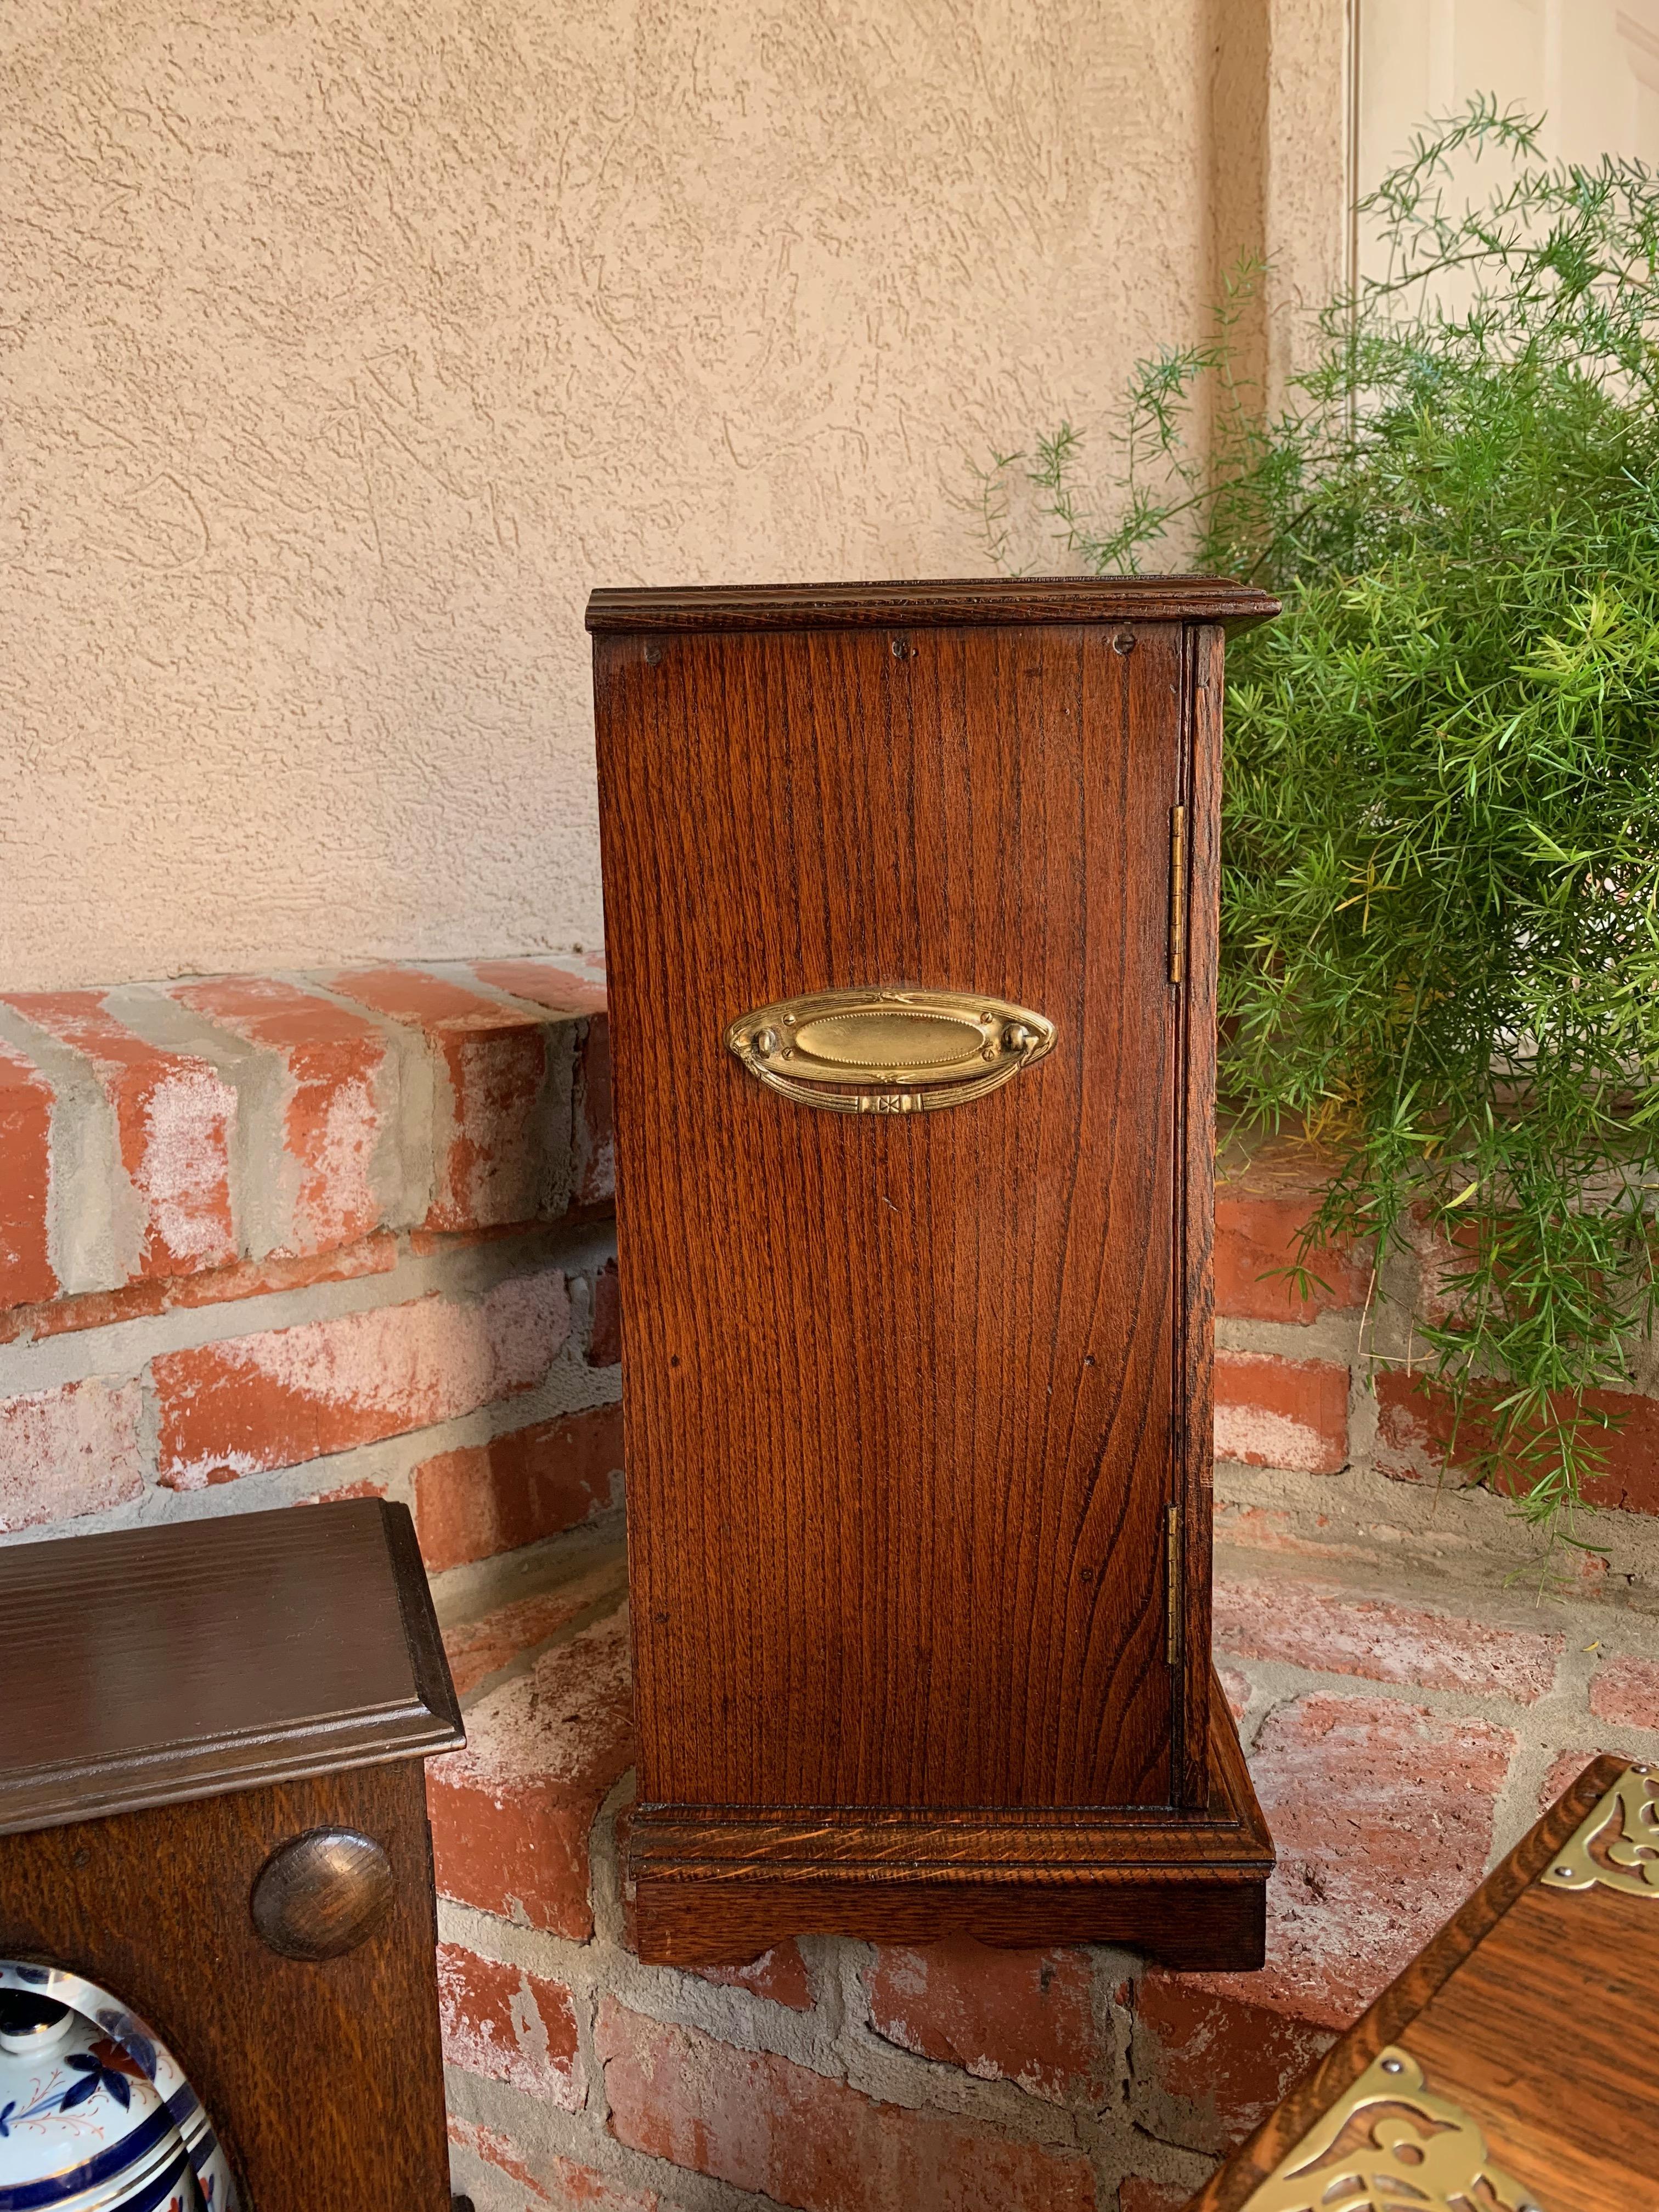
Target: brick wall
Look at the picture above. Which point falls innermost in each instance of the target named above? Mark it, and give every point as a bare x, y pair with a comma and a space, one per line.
268, 1239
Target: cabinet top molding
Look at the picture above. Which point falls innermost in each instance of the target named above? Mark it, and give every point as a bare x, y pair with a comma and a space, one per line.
145, 1666
948, 601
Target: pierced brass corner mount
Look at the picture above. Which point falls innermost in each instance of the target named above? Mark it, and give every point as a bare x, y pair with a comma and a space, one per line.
1390, 2145
1616, 1845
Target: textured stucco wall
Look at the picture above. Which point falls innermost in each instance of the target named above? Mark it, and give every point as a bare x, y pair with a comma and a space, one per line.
345, 346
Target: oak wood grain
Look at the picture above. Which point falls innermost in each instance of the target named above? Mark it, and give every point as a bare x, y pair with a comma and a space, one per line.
898, 1391
1529, 2009
151, 1665
324, 2080
1021, 600
1564, 2095
1187, 1888
911, 1400
1182, 1920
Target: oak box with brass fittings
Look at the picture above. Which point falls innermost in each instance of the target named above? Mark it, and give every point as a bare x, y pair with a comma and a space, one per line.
213, 1808
1508, 2066
911, 909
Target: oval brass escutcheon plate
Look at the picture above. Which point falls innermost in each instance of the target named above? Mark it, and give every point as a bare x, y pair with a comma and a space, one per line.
889, 1051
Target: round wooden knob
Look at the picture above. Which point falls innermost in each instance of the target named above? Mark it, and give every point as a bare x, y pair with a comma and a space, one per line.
322, 1893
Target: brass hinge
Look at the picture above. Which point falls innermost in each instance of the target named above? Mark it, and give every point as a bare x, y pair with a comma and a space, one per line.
1177, 894
1172, 1569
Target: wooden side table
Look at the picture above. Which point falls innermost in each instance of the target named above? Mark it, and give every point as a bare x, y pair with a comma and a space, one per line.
1510, 2066
212, 1803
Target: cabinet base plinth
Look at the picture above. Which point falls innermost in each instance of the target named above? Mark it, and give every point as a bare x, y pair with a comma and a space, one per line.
717, 1886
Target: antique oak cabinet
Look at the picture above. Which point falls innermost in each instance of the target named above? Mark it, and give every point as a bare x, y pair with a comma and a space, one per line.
212, 1805
911, 902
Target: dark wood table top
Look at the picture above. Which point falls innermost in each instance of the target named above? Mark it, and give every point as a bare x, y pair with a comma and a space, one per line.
149, 1666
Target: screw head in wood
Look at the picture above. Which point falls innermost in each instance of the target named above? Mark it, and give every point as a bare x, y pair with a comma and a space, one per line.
322, 1893
1123, 642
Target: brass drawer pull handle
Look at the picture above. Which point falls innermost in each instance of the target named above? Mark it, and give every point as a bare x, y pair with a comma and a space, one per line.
889, 1051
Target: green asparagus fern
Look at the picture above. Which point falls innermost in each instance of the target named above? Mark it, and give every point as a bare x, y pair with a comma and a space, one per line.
1441, 887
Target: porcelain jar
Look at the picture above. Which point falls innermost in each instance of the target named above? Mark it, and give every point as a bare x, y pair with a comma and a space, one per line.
95, 2113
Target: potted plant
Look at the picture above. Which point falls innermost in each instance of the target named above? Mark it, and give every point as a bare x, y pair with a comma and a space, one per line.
1441, 891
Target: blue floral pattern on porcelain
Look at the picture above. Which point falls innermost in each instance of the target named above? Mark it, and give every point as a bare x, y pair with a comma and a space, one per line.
82, 2073
104, 2119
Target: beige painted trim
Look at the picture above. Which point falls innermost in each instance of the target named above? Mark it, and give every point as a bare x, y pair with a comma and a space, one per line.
1351, 273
